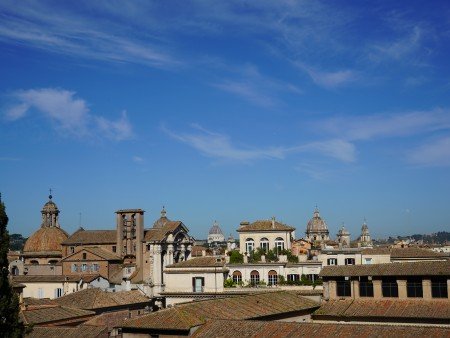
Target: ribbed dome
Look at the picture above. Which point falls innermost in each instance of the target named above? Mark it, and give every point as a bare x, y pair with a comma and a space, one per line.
316, 224
160, 222
215, 230
46, 239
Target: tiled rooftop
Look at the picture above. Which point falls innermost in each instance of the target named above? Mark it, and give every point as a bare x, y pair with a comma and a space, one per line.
158, 234
250, 328
438, 268
185, 316
385, 308
45, 278
95, 298
82, 331
92, 237
265, 225
100, 252
53, 314
201, 262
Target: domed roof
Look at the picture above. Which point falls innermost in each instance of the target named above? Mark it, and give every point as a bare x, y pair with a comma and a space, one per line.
215, 229
160, 222
316, 224
46, 239
343, 231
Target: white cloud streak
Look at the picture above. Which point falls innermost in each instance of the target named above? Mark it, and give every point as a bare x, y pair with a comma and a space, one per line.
432, 154
387, 125
220, 146
68, 114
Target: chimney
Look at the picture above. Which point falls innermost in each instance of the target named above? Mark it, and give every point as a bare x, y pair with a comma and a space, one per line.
203, 253
273, 222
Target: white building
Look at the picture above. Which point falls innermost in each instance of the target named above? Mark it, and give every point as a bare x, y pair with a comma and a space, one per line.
265, 234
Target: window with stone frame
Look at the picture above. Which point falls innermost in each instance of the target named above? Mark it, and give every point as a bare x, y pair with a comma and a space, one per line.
249, 245
272, 277
332, 261
237, 277
279, 244
254, 277
349, 261
264, 244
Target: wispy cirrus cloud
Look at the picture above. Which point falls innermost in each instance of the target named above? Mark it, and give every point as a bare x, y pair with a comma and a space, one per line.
402, 124
68, 114
432, 154
74, 33
221, 147
249, 84
329, 79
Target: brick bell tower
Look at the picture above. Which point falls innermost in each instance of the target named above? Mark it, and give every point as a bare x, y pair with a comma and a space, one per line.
130, 235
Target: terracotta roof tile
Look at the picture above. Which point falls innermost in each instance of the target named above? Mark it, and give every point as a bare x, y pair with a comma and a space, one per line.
109, 319
438, 268
92, 237
185, 316
45, 278
82, 331
95, 298
201, 262
415, 253
265, 225
158, 234
49, 314
250, 328
100, 252
385, 308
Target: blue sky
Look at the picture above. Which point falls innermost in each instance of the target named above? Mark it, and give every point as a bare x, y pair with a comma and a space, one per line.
227, 111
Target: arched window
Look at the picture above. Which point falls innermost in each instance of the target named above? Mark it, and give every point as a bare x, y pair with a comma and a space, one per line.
254, 277
52, 261
279, 244
237, 277
34, 262
249, 245
273, 277
264, 244
15, 270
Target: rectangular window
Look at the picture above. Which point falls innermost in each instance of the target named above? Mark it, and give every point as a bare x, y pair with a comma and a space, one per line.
293, 277
72, 249
198, 284
95, 267
349, 261
439, 288
58, 292
114, 248
365, 288
389, 287
367, 260
84, 255
74, 267
343, 288
84, 267
332, 261
414, 288
265, 246
40, 293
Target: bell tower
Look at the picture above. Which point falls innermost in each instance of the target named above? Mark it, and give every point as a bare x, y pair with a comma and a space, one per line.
130, 234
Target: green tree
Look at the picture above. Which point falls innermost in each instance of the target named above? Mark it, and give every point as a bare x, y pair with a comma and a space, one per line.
9, 302
236, 257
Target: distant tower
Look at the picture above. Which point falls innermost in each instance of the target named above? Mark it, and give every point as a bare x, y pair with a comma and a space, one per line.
130, 234
365, 239
317, 229
343, 237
